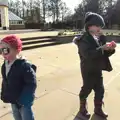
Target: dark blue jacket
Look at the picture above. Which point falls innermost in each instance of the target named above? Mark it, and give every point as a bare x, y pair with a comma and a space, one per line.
93, 59
20, 84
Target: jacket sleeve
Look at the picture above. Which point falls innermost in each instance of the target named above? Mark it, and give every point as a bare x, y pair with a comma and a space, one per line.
108, 53
76, 39
29, 76
87, 51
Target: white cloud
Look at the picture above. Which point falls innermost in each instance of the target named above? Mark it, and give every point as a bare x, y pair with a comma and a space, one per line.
72, 3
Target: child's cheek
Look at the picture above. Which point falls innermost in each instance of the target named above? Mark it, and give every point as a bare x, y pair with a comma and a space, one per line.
7, 57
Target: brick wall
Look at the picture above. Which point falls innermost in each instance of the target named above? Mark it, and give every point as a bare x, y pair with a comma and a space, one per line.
14, 27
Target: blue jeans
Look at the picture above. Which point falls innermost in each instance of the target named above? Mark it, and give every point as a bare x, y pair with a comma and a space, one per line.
23, 113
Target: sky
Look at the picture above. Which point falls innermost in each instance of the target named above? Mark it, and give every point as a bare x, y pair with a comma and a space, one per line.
72, 3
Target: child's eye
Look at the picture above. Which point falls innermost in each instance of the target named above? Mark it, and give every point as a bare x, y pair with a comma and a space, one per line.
5, 51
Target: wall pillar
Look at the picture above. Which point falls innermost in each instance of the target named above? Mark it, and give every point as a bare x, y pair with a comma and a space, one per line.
4, 17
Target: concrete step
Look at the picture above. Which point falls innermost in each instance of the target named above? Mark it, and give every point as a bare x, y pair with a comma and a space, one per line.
38, 37
38, 45
38, 41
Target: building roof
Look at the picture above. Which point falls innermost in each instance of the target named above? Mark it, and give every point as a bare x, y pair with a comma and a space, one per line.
4, 2
12, 17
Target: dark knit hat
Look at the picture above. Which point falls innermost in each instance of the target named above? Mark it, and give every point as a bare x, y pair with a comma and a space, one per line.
93, 19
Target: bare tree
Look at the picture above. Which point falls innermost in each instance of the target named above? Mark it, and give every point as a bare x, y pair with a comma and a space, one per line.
37, 7
64, 11
31, 7
11, 6
44, 9
23, 7
51, 10
54, 8
17, 6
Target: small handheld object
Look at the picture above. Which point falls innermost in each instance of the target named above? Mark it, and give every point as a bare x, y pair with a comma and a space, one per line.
111, 44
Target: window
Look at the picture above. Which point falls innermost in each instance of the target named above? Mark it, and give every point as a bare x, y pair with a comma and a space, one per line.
16, 22
19, 22
10, 22
13, 22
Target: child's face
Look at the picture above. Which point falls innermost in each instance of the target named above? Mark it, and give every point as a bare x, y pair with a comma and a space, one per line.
96, 30
8, 52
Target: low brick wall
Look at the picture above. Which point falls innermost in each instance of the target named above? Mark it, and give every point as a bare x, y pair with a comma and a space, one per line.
115, 38
15, 27
68, 39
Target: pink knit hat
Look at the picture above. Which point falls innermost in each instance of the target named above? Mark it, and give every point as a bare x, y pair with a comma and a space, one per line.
13, 41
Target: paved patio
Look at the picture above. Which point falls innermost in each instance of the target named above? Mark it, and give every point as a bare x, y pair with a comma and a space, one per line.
59, 82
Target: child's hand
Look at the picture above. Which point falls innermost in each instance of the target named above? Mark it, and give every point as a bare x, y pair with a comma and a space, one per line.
112, 45
105, 47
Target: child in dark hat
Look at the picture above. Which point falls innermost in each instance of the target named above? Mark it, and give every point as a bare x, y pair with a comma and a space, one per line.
18, 79
94, 56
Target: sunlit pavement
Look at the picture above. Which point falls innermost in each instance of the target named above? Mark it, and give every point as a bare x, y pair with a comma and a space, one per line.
59, 82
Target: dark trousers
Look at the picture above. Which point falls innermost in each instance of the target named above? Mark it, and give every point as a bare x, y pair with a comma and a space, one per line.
92, 80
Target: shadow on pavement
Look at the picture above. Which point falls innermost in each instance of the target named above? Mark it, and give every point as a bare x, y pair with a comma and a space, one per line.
93, 117
76, 118
79, 117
